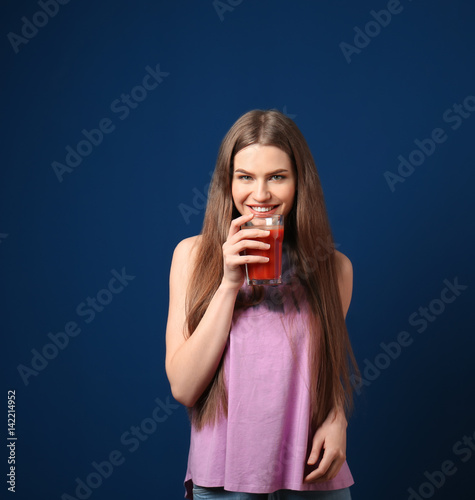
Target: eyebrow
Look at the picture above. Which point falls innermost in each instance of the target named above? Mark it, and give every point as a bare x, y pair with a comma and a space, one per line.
278, 171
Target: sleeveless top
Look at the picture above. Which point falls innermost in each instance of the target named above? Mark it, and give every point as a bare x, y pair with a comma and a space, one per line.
264, 443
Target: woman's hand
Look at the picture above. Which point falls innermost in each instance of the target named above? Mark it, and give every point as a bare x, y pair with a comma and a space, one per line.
238, 241
330, 439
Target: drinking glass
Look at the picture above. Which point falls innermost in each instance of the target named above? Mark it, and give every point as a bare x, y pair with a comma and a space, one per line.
266, 273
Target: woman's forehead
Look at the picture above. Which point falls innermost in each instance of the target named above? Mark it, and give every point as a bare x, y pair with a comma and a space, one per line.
260, 156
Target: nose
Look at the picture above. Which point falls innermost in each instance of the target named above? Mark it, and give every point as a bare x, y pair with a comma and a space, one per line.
261, 192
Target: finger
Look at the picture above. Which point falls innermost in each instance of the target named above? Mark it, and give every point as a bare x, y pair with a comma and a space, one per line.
237, 223
248, 233
240, 260
323, 466
330, 474
332, 471
316, 474
328, 468
234, 248
316, 450
249, 245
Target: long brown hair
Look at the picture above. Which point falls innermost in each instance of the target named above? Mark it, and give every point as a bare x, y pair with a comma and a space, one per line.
311, 250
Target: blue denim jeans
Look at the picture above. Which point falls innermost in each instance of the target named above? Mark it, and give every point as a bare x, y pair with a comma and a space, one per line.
219, 493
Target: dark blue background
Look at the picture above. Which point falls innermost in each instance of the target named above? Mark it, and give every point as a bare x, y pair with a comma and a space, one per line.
120, 208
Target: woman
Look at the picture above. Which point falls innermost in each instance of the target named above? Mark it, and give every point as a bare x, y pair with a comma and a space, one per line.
264, 371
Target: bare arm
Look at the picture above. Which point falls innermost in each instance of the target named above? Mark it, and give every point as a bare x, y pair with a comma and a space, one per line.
345, 280
192, 361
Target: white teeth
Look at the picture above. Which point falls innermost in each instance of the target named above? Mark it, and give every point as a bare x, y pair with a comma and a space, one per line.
262, 209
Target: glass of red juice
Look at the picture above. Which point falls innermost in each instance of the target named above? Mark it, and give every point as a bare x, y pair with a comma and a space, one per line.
266, 273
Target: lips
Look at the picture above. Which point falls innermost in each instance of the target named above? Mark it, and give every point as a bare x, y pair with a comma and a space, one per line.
263, 209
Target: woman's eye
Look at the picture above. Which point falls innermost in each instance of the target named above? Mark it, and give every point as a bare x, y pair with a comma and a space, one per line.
277, 177
245, 177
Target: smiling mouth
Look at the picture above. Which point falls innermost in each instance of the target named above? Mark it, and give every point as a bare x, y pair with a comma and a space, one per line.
262, 209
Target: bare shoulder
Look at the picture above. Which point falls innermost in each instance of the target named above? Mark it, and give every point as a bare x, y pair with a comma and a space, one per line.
185, 251
187, 246
344, 265
180, 273
345, 279
183, 258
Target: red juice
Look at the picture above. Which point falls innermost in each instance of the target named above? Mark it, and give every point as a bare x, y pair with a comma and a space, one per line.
272, 270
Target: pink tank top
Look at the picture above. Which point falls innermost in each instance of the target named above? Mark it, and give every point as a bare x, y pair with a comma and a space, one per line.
264, 443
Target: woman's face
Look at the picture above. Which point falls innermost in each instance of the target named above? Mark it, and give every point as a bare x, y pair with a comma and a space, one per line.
263, 181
